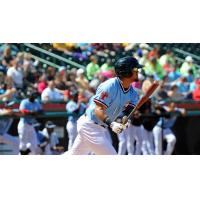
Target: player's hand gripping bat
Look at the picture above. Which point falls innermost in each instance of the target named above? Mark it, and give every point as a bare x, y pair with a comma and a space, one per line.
144, 98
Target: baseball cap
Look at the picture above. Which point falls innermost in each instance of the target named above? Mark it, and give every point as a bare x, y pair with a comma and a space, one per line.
50, 124
188, 59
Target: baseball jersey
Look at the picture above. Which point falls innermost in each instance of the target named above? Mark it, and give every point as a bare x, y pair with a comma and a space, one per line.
114, 97
30, 106
73, 113
53, 139
168, 122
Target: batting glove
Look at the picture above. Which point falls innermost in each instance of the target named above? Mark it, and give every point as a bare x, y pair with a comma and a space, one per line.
116, 127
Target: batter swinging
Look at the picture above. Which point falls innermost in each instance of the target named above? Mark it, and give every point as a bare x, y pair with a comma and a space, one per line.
110, 100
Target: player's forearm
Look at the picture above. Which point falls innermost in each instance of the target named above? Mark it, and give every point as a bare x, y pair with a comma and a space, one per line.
100, 113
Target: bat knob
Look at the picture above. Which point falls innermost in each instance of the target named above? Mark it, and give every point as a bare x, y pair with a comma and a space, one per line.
124, 119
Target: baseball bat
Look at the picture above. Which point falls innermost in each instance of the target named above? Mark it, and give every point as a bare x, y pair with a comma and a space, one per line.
144, 98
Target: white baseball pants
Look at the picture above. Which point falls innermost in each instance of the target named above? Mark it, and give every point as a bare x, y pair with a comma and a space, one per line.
91, 138
27, 137
166, 134
72, 132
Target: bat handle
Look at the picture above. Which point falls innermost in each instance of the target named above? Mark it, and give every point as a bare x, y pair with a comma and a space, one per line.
124, 120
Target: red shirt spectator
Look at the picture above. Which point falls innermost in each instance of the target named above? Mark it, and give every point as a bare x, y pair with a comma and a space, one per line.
196, 92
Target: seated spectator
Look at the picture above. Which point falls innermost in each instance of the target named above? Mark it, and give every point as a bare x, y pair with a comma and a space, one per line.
174, 74
81, 80
10, 91
190, 77
51, 93
42, 83
13, 48
92, 68
7, 57
59, 82
107, 66
162, 92
143, 47
174, 94
50, 73
196, 92
187, 65
153, 67
16, 73
183, 86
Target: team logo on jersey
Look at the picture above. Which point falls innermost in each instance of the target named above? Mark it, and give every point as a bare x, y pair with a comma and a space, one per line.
103, 95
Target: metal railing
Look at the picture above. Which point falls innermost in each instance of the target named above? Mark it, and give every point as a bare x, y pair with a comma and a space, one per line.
53, 55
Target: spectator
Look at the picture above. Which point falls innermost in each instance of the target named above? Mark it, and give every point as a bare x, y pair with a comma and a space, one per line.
153, 67
50, 72
16, 73
92, 68
186, 66
183, 86
51, 93
42, 83
174, 74
7, 57
81, 80
59, 82
13, 48
10, 92
196, 92
174, 94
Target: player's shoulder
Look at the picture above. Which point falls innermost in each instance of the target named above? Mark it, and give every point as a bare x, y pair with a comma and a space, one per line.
112, 82
24, 101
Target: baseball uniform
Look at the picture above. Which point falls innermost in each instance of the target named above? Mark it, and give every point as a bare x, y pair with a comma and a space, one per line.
92, 131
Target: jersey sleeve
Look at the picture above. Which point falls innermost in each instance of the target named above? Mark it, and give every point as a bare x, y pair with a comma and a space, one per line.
23, 106
104, 94
71, 107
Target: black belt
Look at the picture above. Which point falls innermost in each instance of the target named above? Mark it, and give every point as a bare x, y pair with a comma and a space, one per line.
97, 123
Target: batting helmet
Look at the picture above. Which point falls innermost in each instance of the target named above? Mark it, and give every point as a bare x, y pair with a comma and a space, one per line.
124, 66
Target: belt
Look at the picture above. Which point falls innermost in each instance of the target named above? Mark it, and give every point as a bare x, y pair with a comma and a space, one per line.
96, 122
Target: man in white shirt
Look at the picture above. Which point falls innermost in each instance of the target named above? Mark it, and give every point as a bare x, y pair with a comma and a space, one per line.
51, 93
16, 73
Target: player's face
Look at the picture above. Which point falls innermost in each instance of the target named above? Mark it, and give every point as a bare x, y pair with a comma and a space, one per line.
134, 77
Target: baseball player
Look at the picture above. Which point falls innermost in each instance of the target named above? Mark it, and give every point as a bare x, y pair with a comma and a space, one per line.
104, 107
26, 130
74, 110
5, 124
48, 140
149, 120
162, 130
131, 139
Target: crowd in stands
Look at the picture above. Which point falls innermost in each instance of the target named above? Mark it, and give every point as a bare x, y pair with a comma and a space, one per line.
19, 73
